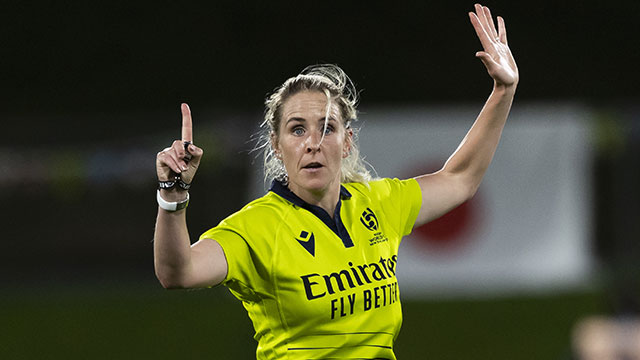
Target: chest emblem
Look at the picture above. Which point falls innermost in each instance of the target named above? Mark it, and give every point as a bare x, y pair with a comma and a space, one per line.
369, 220
308, 242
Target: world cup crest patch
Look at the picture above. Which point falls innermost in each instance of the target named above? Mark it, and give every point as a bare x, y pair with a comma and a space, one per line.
370, 221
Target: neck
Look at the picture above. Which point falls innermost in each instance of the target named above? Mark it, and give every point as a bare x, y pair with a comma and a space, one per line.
326, 198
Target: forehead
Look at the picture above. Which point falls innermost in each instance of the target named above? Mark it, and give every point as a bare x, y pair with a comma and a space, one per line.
307, 104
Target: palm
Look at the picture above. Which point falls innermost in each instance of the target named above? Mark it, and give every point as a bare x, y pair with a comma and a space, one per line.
496, 54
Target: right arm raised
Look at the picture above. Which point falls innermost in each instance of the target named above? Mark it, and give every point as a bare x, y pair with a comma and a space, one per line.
178, 264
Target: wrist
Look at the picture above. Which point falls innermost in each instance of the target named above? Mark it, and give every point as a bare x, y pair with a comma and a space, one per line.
503, 89
173, 195
171, 205
177, 182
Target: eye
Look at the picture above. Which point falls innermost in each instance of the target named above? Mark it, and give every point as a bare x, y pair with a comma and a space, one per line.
328, 130
297, 131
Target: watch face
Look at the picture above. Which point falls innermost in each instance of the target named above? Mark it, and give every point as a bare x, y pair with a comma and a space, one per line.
182, 205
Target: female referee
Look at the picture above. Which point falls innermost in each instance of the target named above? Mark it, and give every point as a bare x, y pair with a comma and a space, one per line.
314, 260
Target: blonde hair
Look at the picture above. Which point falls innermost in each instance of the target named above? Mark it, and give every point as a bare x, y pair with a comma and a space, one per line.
332, 81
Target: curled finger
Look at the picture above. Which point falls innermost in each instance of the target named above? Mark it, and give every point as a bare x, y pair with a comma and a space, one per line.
179, 157
180, 149
195, 150
194, 155
165, 158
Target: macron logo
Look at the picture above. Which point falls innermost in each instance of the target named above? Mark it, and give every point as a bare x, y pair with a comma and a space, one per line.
308, 242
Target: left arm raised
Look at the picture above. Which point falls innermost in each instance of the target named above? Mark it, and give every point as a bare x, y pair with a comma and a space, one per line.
461, 175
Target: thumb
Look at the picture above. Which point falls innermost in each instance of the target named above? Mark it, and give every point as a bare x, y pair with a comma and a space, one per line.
486, 59
196, 154
192, 166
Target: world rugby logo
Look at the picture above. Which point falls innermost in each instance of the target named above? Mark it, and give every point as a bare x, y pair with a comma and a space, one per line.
369, 220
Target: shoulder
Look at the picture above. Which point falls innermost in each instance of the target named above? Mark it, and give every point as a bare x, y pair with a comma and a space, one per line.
381, 188
261, 210
255, 222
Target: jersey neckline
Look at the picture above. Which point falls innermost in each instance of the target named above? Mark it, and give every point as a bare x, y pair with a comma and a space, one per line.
335, 223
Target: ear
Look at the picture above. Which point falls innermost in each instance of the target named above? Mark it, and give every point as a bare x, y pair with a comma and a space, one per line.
275, 146
348, 139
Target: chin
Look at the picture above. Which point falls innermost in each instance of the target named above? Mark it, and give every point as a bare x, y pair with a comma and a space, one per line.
313, 184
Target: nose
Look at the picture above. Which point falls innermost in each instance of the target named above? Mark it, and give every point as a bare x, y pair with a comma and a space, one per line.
312, 142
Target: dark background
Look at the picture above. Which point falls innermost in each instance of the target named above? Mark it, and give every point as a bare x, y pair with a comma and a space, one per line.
91, 90
137, 57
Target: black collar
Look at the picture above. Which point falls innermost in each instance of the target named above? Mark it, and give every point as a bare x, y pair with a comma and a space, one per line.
283, 190
334, 223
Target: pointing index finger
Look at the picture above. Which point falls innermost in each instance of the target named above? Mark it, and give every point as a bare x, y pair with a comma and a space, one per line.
187, 127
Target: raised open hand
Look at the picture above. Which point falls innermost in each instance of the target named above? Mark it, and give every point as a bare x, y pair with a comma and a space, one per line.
496, 57
182, 157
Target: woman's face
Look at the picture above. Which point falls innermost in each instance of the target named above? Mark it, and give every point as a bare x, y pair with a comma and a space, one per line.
311, 166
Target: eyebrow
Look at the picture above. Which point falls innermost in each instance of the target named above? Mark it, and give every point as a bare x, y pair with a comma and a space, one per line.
299, 119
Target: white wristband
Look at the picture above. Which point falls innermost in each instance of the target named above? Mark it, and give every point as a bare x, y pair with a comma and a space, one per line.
172, 206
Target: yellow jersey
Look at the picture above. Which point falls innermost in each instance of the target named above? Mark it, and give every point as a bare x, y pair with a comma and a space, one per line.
316, 286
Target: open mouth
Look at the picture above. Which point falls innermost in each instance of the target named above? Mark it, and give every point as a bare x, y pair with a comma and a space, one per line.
313, 165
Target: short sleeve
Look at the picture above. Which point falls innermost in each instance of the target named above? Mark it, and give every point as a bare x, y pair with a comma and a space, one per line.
401, 201
246, 271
